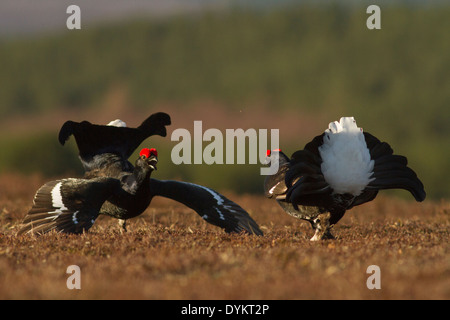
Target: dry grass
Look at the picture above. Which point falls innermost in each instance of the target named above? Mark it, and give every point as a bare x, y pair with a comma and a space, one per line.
170, 253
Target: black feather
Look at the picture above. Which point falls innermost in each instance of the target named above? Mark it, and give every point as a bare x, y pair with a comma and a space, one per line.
414, 186
392, 158
306, 156
212, 206
314, 145
302, 188
93, 139
371, 141
81, 202
380, 150
302, 169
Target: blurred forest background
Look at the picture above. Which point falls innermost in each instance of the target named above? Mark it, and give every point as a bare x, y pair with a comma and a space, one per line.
294, 66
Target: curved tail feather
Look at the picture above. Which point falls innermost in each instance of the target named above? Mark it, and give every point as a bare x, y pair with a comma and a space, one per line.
391, 171
93, 139
66, 131
155, 124
404, 178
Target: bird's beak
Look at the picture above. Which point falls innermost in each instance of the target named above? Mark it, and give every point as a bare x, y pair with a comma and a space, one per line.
152, 161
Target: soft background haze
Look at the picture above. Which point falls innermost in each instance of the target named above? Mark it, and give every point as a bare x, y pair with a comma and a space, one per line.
291, 65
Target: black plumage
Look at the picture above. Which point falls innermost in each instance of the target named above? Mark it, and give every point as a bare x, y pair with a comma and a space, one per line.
72, 205
94, 141
104, 152
212, 206
302, 190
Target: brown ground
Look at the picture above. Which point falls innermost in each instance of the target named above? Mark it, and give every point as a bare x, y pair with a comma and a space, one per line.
170, 253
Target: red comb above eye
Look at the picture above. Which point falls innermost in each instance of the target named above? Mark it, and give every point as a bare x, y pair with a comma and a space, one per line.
153, 152
269, 152
145, 152
148, 152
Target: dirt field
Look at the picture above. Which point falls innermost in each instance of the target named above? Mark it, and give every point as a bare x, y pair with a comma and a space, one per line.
171, 253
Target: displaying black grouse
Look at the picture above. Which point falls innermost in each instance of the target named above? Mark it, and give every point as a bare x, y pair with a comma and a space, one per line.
104, 150
72, 205
339, 169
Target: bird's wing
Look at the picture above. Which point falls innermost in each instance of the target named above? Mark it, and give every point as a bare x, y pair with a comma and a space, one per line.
212, 206
68, 205
93, 139
304, 179
274, 185
391, 171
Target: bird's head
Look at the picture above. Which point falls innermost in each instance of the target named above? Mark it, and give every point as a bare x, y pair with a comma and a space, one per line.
275, 160
149, 157
272, 155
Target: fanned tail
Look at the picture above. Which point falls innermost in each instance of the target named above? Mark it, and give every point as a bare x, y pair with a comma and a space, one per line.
396, 175
115, 138
391, 171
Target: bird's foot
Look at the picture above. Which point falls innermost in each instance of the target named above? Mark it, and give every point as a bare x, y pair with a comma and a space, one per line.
123, 225
319, 235
323, 228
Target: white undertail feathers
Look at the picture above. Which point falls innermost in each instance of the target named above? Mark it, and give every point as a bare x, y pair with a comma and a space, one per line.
346, 163
117, 123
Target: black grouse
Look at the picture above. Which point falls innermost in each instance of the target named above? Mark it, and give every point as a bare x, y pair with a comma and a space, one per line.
104, 150
72, 205
339, 169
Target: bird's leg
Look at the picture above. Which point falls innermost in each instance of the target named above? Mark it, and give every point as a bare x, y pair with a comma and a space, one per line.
123, 225
322, 226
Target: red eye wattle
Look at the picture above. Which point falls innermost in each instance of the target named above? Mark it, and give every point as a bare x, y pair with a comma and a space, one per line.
148, 152
154, 152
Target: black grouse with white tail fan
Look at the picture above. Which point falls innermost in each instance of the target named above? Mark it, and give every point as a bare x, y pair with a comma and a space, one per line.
104, 152
339, 169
